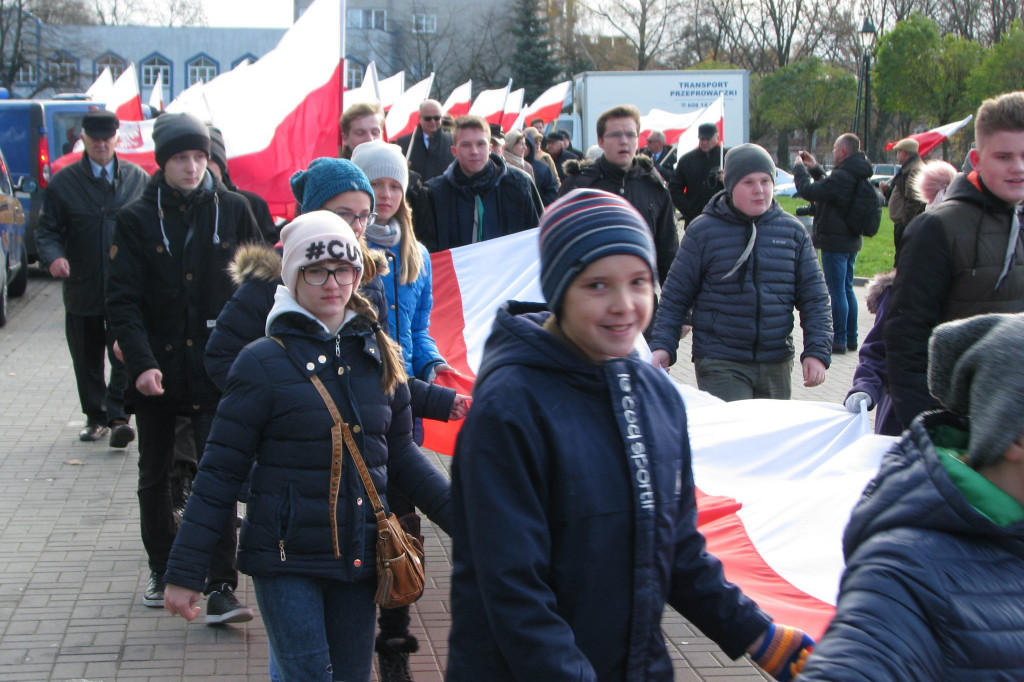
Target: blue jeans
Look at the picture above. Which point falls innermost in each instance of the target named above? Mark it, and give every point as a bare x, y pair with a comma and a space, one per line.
838, 270
319, 630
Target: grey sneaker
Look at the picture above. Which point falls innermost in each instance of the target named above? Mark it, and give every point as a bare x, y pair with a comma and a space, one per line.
222, 606
153, 597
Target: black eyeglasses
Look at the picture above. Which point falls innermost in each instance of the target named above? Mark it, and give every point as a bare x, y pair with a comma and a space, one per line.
430, 118
316, 275
353, 218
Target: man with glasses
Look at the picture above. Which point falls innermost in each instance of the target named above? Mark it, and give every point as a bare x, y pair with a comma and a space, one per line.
698, 175
620, 170
431, 152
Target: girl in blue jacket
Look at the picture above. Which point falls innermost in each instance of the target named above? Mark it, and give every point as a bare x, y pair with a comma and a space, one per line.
574, 512
310, 552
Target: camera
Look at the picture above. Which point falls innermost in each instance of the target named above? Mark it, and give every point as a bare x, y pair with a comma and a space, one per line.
712, 178
807, 210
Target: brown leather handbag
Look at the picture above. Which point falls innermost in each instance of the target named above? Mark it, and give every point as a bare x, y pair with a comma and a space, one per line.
400, 576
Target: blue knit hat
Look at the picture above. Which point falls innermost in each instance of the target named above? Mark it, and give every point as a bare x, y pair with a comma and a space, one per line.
326, 178
583, 226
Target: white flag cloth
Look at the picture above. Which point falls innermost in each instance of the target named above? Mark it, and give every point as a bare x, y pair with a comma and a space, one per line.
404, 114
459, 100
490, 104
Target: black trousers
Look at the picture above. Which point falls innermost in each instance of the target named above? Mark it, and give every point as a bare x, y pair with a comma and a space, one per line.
156, 455
89, 338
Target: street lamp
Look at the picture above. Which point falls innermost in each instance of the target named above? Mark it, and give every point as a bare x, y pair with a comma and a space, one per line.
867, 37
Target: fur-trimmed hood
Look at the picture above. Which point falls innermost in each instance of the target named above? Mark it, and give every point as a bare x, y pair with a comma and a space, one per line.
877, 287
577, 166
262, 262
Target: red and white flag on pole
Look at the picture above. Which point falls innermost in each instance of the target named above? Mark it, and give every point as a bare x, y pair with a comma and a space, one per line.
368, 91
490, 104
713, 113
776, 479
549, 105
156, 95
404, 114
931, 139
100, 89
670, 123
459, 100
391, 89
513, 109
123, 98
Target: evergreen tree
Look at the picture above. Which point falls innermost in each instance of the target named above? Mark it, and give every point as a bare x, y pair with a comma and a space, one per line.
533, 65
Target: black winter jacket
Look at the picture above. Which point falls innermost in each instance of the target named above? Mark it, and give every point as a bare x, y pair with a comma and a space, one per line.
949, 262
547, 183
574, 520
77, 223
832, 196
510, 204
745, 316
169, 280
933, 588
694, 181
273, 423
643, 188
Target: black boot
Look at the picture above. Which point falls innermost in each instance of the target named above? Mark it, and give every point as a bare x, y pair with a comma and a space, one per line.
393, 658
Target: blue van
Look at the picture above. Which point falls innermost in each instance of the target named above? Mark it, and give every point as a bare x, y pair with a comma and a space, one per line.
13, 257
33, 133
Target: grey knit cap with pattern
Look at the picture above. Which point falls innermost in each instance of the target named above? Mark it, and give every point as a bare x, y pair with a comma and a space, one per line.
975, 370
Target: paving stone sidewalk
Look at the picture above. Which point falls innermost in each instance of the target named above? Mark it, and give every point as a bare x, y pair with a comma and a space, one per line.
72, 565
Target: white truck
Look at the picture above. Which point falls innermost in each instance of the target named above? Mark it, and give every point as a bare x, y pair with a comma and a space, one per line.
594, 92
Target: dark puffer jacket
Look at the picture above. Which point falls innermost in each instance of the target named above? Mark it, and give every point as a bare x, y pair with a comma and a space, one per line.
949, 262
641, 186
832, 196
566, 543
871, 375
933, 588
273, 423
77, 223
745, 316
169, 280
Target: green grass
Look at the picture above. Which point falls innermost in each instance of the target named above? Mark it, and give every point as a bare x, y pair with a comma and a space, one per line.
877, 253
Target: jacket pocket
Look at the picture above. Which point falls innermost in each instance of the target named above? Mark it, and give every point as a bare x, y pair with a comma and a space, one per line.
285, 511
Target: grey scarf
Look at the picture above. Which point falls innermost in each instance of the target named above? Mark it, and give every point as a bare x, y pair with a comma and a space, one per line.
384, 235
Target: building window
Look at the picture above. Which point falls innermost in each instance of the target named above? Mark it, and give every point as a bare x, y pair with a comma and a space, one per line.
112, 62
368, 18
202, 70
424, 23
156, 71
26, 73
353, 74
63, 68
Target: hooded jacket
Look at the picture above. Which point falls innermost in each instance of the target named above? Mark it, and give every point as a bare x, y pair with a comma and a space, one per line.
641, 186
508, 201
871, 375
77, 223
949, 267
574, 519
169, 280
832, 196
273, 423
933, 587
742, 308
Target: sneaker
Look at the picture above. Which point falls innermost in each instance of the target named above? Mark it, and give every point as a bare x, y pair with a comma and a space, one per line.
92, 432
153, 597
121, 434
222, 606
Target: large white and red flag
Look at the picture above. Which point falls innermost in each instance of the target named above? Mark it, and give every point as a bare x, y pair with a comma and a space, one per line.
930, 139
123, 97
404, 114
391, 89
673, 125
513, 110
776, 480
368, 92
459, 100
713, 113
100, 89
549, 105
490, 104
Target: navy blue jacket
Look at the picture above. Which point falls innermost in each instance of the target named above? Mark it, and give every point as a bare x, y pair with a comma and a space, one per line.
574, 520
273, 422
933, 589
746, 316
871, 375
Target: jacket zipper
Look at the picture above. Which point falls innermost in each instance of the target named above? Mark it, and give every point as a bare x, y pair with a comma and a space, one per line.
280, 545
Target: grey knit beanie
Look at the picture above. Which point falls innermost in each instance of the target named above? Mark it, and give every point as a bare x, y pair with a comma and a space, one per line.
378, 159
975, 369
744, 159
176, 133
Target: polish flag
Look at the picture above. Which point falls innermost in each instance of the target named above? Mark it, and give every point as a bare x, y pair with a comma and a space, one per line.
549, 105
156, 98
931, 139
123, 97
672, 124
391, 89
713, 113
99, 91
513, 110
404, 114
458, 102
368, 91
490, 104
776, 479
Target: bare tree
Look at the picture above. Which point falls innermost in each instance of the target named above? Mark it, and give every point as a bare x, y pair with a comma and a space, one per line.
30, 50
166, 13
645, 24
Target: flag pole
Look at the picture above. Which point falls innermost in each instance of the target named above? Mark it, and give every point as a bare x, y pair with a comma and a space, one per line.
341, 70
721, 141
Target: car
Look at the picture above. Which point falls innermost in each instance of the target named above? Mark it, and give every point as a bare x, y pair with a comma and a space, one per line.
13, 251
784, 186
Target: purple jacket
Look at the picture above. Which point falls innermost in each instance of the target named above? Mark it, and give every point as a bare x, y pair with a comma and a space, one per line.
871, 376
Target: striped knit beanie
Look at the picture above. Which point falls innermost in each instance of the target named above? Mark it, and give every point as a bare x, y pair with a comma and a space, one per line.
582, 227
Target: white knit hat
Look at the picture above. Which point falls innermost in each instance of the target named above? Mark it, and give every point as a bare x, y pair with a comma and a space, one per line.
314, 237
378, 159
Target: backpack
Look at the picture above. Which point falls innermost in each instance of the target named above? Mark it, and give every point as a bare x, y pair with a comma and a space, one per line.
864, 214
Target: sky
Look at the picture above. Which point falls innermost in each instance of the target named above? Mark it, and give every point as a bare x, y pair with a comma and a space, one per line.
249, 13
